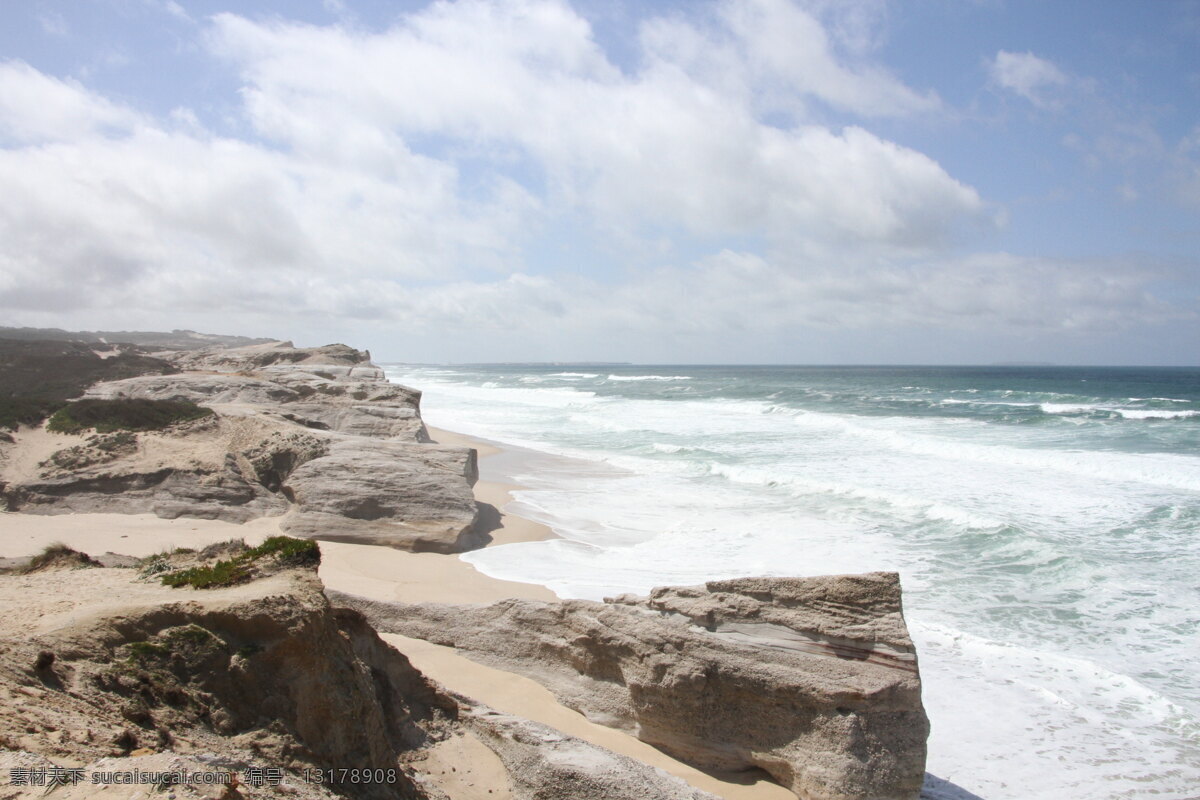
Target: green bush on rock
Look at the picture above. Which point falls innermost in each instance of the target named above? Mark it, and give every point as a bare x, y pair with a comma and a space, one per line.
287, 552
107, 416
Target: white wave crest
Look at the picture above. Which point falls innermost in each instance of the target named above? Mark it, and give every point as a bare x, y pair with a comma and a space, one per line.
1154, 413
1071, 408
649, 377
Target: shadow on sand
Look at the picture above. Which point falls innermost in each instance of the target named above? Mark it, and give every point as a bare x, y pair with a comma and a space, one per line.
936, 788
488, 520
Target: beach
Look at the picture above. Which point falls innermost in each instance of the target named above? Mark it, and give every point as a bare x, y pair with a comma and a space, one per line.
390, 575
1042, 520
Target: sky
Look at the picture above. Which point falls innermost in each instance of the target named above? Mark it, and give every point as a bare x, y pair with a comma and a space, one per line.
734, 181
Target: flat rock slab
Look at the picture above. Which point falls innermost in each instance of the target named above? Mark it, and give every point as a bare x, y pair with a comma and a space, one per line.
365, 491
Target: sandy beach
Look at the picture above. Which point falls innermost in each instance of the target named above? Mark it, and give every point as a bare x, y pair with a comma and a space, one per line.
395, 576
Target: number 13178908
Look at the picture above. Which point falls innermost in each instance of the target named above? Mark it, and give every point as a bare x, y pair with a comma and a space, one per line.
335, 776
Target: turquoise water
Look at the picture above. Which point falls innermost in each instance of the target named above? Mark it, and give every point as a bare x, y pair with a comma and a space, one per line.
1045, 521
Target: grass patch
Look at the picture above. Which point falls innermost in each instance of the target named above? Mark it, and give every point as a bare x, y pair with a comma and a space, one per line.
144, 650
95, 450
239, 568
107, 416
16, 411
222, 573
37, 377
288, 550
192, 634
59, 554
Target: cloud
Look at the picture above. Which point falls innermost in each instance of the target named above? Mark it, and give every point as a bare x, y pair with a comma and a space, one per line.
37, 108
117, 209
412, 177
174, 9
1033, 78
791, 50
674, 144
1000, 292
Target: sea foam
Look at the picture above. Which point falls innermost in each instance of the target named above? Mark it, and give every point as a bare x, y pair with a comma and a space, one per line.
1045, 538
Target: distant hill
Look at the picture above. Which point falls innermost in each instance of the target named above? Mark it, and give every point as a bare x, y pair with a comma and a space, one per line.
175, 340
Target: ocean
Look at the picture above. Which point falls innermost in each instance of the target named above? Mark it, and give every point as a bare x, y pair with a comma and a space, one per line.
1045, 522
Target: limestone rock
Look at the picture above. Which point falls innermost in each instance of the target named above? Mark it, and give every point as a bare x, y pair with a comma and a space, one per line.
212, 468
545, 764
255, 357
222, 494
814, 680
200, 388
411, 496
362, 407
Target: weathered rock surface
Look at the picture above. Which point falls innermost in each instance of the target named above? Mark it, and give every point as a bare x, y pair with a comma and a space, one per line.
121, 673
319, 432
198, 388
372, 408
212, 468
415, 497
545, 764
273, 355
265, 674
813, 680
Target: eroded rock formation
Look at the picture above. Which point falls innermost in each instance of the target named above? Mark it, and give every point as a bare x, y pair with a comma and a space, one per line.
414, 497
118, 672
317, 434
813, 680
263, 673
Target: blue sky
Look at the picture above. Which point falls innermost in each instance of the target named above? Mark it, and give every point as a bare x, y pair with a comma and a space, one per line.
762, 181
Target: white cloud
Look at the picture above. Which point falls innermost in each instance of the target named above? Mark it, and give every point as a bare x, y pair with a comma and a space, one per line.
1033, 78
119, 210
175, 10
36, 108
399, 178
999, 292
791, 50
676, 144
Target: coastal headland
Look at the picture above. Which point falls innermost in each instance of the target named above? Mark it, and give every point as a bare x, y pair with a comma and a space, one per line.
141, 635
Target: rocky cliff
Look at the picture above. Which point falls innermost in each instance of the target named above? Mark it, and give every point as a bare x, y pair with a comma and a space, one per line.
813, 680
108, 670
316, 434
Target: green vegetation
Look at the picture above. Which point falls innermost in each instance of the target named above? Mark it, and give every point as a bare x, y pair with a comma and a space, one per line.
52, 552
95, 450
287, 552
222, 573
192, 634
38, 377
59, 553
190, 642
107, 416
143, 650
16, 411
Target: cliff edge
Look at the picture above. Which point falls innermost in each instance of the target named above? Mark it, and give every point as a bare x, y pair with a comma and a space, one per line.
315, 435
